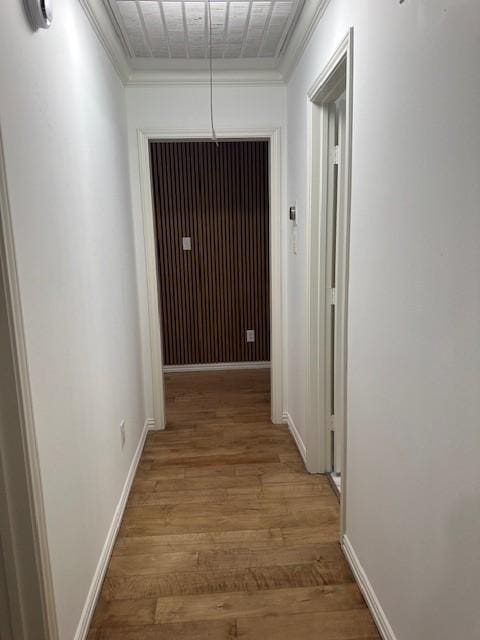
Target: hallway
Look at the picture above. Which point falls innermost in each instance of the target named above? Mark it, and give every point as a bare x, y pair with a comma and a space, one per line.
286, 184
225, 534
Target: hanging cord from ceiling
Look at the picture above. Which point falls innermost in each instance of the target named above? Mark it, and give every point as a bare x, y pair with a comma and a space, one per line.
210, 57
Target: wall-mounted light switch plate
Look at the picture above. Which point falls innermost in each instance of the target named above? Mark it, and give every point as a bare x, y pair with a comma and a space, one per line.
187, 244
250, 335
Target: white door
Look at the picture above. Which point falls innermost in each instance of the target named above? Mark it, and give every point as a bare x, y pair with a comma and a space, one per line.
334, 331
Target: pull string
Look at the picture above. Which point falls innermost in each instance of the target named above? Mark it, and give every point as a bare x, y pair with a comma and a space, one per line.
210, 54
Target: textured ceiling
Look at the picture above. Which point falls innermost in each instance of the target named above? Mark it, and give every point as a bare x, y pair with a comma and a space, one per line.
240, 29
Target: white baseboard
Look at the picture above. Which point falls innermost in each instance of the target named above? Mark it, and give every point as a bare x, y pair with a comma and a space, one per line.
216, 366
296, 436
94, 591
150, 425
366, 588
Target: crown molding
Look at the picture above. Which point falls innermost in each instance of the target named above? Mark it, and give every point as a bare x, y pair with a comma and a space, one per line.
194, 65
101, 22
311, 15
234, 77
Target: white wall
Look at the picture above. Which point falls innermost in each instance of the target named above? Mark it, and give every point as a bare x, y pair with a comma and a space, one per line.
413, 477
62, 114
187, 108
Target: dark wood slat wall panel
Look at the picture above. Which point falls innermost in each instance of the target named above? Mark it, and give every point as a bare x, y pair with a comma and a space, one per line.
211, 295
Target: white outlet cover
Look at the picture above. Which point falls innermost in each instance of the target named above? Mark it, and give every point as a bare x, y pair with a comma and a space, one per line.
187, 244
250, 335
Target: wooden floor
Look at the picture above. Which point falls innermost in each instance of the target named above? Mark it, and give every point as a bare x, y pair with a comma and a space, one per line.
225, 534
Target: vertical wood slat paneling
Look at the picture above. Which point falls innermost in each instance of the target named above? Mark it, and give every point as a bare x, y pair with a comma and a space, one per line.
211, 295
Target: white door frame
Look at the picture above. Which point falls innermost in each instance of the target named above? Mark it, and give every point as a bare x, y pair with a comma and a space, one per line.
319, 96
23, 527
273, 136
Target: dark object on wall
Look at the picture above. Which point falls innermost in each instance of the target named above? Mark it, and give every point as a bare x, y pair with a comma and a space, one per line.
40, 13
214, 200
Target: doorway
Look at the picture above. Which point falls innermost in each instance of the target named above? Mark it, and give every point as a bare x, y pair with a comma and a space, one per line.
328, 222
211, 205
154, 339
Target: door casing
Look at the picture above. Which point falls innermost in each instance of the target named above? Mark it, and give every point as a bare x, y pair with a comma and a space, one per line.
26, 566
144, 136
335, 77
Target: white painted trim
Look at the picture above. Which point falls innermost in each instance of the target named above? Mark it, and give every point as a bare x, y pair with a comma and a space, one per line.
98, 576
295, 435
328, 70
316, 285
31, 461
315, 332
155, 347
216, 366
276, 277
276, 289
99, 17
345, 274
311, 15
222, 77
368, 592
151, 426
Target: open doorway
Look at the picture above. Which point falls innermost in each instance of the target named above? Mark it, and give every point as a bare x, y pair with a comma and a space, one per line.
267, 316
212, 219
327, 291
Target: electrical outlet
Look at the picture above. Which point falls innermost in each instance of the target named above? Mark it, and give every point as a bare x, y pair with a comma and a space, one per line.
187, 244
122, 432
250, 335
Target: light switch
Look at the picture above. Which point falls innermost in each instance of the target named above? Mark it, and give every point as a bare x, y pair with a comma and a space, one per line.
187, 244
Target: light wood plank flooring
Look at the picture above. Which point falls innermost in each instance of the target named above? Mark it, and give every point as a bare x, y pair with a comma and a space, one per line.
225, 534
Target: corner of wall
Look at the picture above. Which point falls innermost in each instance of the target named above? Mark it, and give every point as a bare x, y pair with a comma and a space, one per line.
368, 592
287, 418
